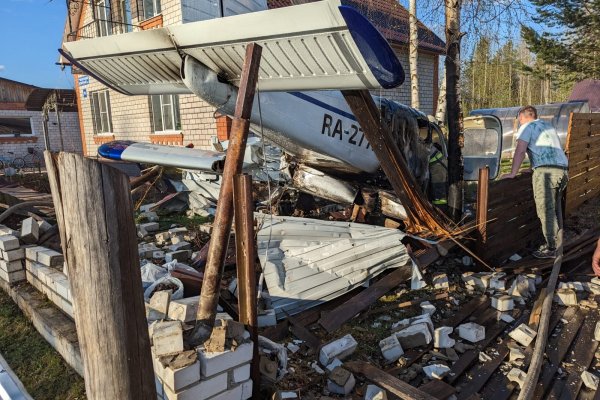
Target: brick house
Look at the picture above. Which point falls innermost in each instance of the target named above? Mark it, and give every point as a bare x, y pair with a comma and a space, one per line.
106, 115
22, 121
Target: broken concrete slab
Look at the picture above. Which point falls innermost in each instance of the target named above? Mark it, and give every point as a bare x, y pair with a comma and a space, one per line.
523, 334
423, 318
391, 349
340, 348
185, 309
498, 281
516, 353
472, 332
590, 380
374, 392
516, 375
441, 338
427, 308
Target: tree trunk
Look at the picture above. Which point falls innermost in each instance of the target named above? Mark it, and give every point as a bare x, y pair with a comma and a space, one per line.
440, 113
414, 54
455, 118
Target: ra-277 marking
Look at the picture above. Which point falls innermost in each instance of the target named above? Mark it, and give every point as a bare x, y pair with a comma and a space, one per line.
356, 136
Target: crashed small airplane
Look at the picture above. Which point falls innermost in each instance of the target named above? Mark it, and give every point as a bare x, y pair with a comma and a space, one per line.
310, 52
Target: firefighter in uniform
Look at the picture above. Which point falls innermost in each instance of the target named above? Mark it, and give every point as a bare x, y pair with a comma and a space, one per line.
438, 177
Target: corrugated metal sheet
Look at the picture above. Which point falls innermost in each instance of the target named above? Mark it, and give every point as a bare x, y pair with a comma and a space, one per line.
307, 261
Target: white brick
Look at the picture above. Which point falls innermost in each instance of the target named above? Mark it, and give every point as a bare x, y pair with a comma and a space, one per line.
472, 332
12, 277
241, 374
566, 297
177, 379
184, 310
201, 391
215, 363
13, 255
503, 303
30, 230
339, 348
441, 338
8, 242
523, 334
50, 258
391, 349
167, 337
11, 266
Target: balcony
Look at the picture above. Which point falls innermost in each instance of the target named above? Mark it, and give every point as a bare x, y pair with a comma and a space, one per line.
100, 28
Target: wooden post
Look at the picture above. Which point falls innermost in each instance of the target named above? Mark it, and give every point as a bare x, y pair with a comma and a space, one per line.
217, 250
95, 214
245, 247
482, 205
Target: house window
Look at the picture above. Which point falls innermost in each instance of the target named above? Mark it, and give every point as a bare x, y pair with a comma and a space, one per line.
165, 113
103, 16
100, 101
15, 126
151, 8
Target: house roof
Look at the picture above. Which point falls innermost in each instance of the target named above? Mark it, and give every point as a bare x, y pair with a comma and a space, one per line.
390, 18
65, 99
17, 83
587, 90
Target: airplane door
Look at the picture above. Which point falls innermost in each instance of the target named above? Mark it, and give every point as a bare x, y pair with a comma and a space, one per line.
482, 146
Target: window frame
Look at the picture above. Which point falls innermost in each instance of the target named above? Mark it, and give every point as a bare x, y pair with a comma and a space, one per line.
175, 113
103, 15
156, 9
97, 119
15, 135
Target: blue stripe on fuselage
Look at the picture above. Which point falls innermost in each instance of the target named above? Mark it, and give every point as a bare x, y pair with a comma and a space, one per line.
326, 106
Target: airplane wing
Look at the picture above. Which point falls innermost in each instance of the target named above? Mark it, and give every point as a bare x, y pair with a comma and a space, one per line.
320, 45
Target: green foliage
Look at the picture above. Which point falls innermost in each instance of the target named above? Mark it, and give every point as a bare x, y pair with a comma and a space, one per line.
571, 41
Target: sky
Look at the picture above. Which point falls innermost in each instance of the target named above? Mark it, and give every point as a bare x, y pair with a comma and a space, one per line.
31, 32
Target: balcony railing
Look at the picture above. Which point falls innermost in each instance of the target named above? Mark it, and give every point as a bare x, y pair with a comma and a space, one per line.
100, 28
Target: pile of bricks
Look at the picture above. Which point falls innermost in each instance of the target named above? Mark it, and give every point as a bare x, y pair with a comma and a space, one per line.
45, 271
11, 257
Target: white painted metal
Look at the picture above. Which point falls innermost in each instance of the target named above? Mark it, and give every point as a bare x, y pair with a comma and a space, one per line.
307, 262
305, 47
173, 156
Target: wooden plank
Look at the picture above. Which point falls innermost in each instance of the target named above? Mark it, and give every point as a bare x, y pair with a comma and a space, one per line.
301, 332
387, 381
590, 117
556, 351
438, 389
340, 315
104, 275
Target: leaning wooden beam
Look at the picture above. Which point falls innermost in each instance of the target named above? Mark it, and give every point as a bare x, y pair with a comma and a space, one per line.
422, 216
341, 314
217, 250
387, 381
100, 243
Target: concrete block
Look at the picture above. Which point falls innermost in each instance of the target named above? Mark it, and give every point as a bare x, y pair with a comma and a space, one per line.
566, 297
516, 353
149, 216
8, 242
146, 207
374, 392
246, 390
590, 380
498, 281
472, 332
340, 348
520, 287
13, 277
423, 318
203, 390
341, 381
523, 334
63, 289
160, 302
503, 303
162, 237
30, 231
427, 308
333, 364
267, 317
184, 310
441, 338
180, 246
240, 374
43, 226
150, 227
214, 363
50, 258
11, 266
516, 375
181, 230
415, 335
167, 337
177, 379
391, 349
436, 371
14, 255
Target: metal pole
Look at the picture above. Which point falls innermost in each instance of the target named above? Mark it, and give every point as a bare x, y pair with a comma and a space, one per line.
217, 250
45, 127
245, 246
60, 132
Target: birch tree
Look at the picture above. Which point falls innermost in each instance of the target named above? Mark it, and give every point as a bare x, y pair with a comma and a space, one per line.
414, 55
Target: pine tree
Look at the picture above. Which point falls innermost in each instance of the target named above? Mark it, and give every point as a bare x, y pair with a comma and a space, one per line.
572, 42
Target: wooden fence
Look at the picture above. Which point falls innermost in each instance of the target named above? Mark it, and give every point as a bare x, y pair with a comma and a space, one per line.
583, 150
512, 222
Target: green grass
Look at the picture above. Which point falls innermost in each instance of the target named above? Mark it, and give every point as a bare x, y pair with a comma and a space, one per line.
42, 370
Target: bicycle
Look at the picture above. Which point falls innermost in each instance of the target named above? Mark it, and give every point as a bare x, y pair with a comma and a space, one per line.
32, 160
